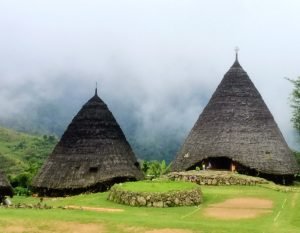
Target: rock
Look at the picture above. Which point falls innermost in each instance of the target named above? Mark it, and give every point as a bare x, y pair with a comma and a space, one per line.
168, 203
132, 202
187, 201
141, 201
159, 204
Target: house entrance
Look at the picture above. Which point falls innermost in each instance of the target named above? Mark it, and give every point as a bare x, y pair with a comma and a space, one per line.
218, 163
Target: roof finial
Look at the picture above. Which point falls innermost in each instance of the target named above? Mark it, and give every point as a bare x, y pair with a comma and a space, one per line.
236, 49
96, 89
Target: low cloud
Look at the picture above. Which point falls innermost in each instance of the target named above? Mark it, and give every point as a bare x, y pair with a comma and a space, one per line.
156, 62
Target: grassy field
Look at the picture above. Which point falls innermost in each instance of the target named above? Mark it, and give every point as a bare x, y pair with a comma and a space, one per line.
284, 216
157, 186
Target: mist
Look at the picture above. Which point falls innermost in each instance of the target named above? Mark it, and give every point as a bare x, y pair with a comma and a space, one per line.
156, 62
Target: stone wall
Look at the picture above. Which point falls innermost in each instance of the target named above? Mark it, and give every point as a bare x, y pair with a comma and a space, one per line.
167, 199
209, 177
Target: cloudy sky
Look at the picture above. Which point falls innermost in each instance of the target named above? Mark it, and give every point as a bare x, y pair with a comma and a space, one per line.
163, 58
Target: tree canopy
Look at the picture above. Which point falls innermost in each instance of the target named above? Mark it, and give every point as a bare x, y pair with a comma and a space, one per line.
295, 103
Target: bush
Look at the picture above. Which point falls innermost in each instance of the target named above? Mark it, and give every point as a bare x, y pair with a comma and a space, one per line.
154, 168
22, 180
21, 191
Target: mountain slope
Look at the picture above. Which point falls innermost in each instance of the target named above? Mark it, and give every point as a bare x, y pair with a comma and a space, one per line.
20, 152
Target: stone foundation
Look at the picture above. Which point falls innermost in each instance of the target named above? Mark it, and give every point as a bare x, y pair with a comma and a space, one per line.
209, 177
166, 199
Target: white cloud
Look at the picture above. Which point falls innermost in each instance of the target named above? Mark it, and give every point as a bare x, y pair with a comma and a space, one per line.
149, 53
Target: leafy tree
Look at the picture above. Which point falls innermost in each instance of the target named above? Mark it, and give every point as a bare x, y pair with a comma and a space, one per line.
21, 180
297, 155
295, 103
154, 168
295, 99
144, 166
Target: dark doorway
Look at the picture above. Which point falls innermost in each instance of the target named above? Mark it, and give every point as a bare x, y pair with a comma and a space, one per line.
215, 163
218, 163
226, 164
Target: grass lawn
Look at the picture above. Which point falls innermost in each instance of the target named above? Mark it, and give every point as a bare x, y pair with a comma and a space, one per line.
158, 186
284, 217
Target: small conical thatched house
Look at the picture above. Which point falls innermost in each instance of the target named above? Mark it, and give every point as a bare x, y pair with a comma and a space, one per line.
236, 131
5, 187
92, 154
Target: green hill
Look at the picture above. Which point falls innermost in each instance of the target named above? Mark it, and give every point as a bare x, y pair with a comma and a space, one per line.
22, 153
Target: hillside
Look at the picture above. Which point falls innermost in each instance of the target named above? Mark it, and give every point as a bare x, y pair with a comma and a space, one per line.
22, 153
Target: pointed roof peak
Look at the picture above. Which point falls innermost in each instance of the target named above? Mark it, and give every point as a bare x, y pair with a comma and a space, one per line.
95, 98
236, 63
236, 49
96, 91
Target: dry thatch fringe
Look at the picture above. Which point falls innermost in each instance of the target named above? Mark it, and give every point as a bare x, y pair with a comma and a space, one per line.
92, 154
237, 124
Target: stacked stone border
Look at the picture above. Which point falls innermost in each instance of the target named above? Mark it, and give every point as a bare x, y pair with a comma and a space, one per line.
209, 177
156, 199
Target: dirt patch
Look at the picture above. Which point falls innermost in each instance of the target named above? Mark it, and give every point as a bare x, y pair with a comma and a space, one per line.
239, 208
245, 203
79, 227
52, 227
73, 207
294, 199
163, 230
168, 230
224, 213
15, 229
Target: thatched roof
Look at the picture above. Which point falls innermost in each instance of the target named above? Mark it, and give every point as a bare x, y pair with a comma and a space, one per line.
237, 124
92, 154
5, 187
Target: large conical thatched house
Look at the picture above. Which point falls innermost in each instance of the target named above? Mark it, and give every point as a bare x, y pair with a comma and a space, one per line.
5, 187
237, 131
92, 154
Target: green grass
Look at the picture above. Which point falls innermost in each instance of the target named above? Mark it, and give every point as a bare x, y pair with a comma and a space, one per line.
157, 186
142, 218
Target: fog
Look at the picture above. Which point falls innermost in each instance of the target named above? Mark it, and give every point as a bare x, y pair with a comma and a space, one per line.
156, 62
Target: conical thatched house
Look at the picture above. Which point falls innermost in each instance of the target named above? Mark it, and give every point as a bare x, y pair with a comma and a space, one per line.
92, 154
236, 131
5, 187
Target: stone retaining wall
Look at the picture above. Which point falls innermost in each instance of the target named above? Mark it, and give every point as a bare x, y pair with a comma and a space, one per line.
215, 178
168, 199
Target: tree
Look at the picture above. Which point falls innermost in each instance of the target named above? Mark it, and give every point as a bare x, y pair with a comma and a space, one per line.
295, 103
295, 99
154, 168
